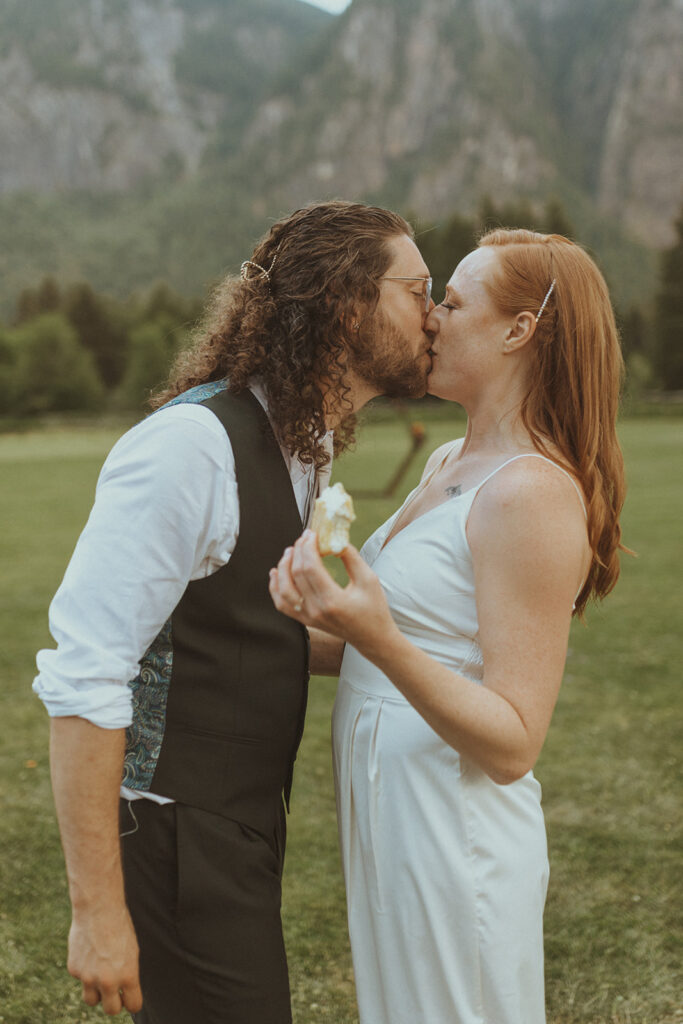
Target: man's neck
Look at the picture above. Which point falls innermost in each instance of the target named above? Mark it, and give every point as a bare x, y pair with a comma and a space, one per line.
359, 394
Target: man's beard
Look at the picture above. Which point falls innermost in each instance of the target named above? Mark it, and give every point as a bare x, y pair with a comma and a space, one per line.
383, 359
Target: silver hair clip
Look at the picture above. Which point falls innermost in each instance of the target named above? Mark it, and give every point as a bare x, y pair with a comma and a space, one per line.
264, 273
545, 301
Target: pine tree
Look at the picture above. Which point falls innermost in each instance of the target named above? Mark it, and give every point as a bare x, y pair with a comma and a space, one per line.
668, 354
633, 332
27, 306
443, 246
48, 296
556, 221
100, 330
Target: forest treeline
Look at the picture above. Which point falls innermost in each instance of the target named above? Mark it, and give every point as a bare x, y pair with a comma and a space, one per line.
71, 349
74, 350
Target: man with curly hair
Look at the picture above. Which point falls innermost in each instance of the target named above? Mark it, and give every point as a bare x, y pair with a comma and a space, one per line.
177, 691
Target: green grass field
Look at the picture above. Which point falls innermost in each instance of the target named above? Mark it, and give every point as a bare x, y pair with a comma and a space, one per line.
610, 768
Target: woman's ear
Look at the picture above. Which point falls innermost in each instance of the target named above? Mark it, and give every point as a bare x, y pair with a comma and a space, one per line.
521, 332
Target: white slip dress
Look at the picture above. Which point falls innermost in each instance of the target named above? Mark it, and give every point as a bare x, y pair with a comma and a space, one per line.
446, 871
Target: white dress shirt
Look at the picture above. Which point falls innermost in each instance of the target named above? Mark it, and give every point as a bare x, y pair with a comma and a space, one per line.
166, 512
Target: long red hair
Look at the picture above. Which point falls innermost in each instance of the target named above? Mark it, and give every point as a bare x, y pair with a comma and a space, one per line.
575, 379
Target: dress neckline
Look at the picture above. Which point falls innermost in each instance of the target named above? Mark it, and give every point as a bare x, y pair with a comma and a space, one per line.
413, 495
475, 487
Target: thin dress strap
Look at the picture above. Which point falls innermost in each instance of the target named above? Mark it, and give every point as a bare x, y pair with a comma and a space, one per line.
423, 483
447, 454
536, 455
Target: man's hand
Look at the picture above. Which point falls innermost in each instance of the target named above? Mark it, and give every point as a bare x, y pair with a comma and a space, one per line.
103, 955
103, 950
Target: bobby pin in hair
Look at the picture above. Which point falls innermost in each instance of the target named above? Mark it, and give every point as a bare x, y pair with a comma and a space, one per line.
263, 272
545, 301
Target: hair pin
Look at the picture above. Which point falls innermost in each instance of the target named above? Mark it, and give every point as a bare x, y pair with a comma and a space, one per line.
263, 272
545, 301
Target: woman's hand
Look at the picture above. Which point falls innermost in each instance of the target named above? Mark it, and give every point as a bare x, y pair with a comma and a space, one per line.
302, 588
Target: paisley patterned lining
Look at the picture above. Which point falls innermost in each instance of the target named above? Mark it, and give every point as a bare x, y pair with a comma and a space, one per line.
150, 694
200, 393
150, 687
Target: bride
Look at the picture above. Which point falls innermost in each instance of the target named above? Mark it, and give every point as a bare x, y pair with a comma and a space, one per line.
453, 629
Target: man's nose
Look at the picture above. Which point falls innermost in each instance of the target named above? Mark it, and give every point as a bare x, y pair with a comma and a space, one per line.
430, 323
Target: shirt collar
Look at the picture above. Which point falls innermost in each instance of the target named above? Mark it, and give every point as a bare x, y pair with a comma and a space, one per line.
297, 469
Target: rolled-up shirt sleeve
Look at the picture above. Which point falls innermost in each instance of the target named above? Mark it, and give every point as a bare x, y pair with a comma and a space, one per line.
166, 512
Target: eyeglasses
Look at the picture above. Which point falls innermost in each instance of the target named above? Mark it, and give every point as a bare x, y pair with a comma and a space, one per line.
427, 281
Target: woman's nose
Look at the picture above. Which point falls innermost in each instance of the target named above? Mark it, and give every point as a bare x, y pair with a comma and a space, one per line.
431, 321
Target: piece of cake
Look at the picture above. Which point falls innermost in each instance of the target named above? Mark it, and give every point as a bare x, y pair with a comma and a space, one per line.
332, 516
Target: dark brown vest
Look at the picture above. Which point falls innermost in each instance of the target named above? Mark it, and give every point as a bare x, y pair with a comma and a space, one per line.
237, 695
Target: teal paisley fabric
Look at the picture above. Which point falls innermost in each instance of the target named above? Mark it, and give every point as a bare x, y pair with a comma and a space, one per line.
150, 693
150, 687
200, 393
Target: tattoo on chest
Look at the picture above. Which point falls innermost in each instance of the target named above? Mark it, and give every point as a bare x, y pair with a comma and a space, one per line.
453, 492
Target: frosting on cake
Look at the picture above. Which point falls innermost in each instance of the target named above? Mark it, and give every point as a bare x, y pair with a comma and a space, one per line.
332, 516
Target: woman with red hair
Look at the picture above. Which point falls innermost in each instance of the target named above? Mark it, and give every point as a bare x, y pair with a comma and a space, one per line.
455, 622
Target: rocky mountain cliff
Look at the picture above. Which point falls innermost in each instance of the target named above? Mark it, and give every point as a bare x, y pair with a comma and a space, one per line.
641, 170
440, 101
99, 96
153, 138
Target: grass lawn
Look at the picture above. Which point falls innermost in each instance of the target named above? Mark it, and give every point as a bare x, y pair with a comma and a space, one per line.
610, 767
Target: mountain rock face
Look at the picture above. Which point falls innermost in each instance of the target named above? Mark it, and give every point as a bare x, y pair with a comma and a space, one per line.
421, 109
641, 171
438, 102
121, 121
153, 137
99, 96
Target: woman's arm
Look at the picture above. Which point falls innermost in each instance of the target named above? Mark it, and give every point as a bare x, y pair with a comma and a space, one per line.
529, 548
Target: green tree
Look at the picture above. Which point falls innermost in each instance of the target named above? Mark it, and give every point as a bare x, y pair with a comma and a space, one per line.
668, 348
552, 220
27, 306
487, 215
162, 301
443, 246
101, 328
48, 296
511, 214
556, 221
53, 373
633, 332
7, 375
153, 347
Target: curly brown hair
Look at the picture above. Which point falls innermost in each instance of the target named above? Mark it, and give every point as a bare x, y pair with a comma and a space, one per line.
291, 328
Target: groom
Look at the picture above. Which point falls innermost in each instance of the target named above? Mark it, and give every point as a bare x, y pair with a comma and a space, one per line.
175, 683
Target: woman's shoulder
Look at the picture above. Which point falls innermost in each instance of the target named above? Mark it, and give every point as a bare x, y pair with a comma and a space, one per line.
535, 490
527, 525
440, 454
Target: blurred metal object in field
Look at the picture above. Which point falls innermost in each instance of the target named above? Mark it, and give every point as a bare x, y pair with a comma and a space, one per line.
418, 436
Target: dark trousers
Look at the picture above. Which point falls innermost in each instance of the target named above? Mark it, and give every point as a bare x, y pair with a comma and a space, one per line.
204, 895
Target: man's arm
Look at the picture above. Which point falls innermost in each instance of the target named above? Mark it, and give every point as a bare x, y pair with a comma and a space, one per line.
326, 653
164, 514
86, 764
